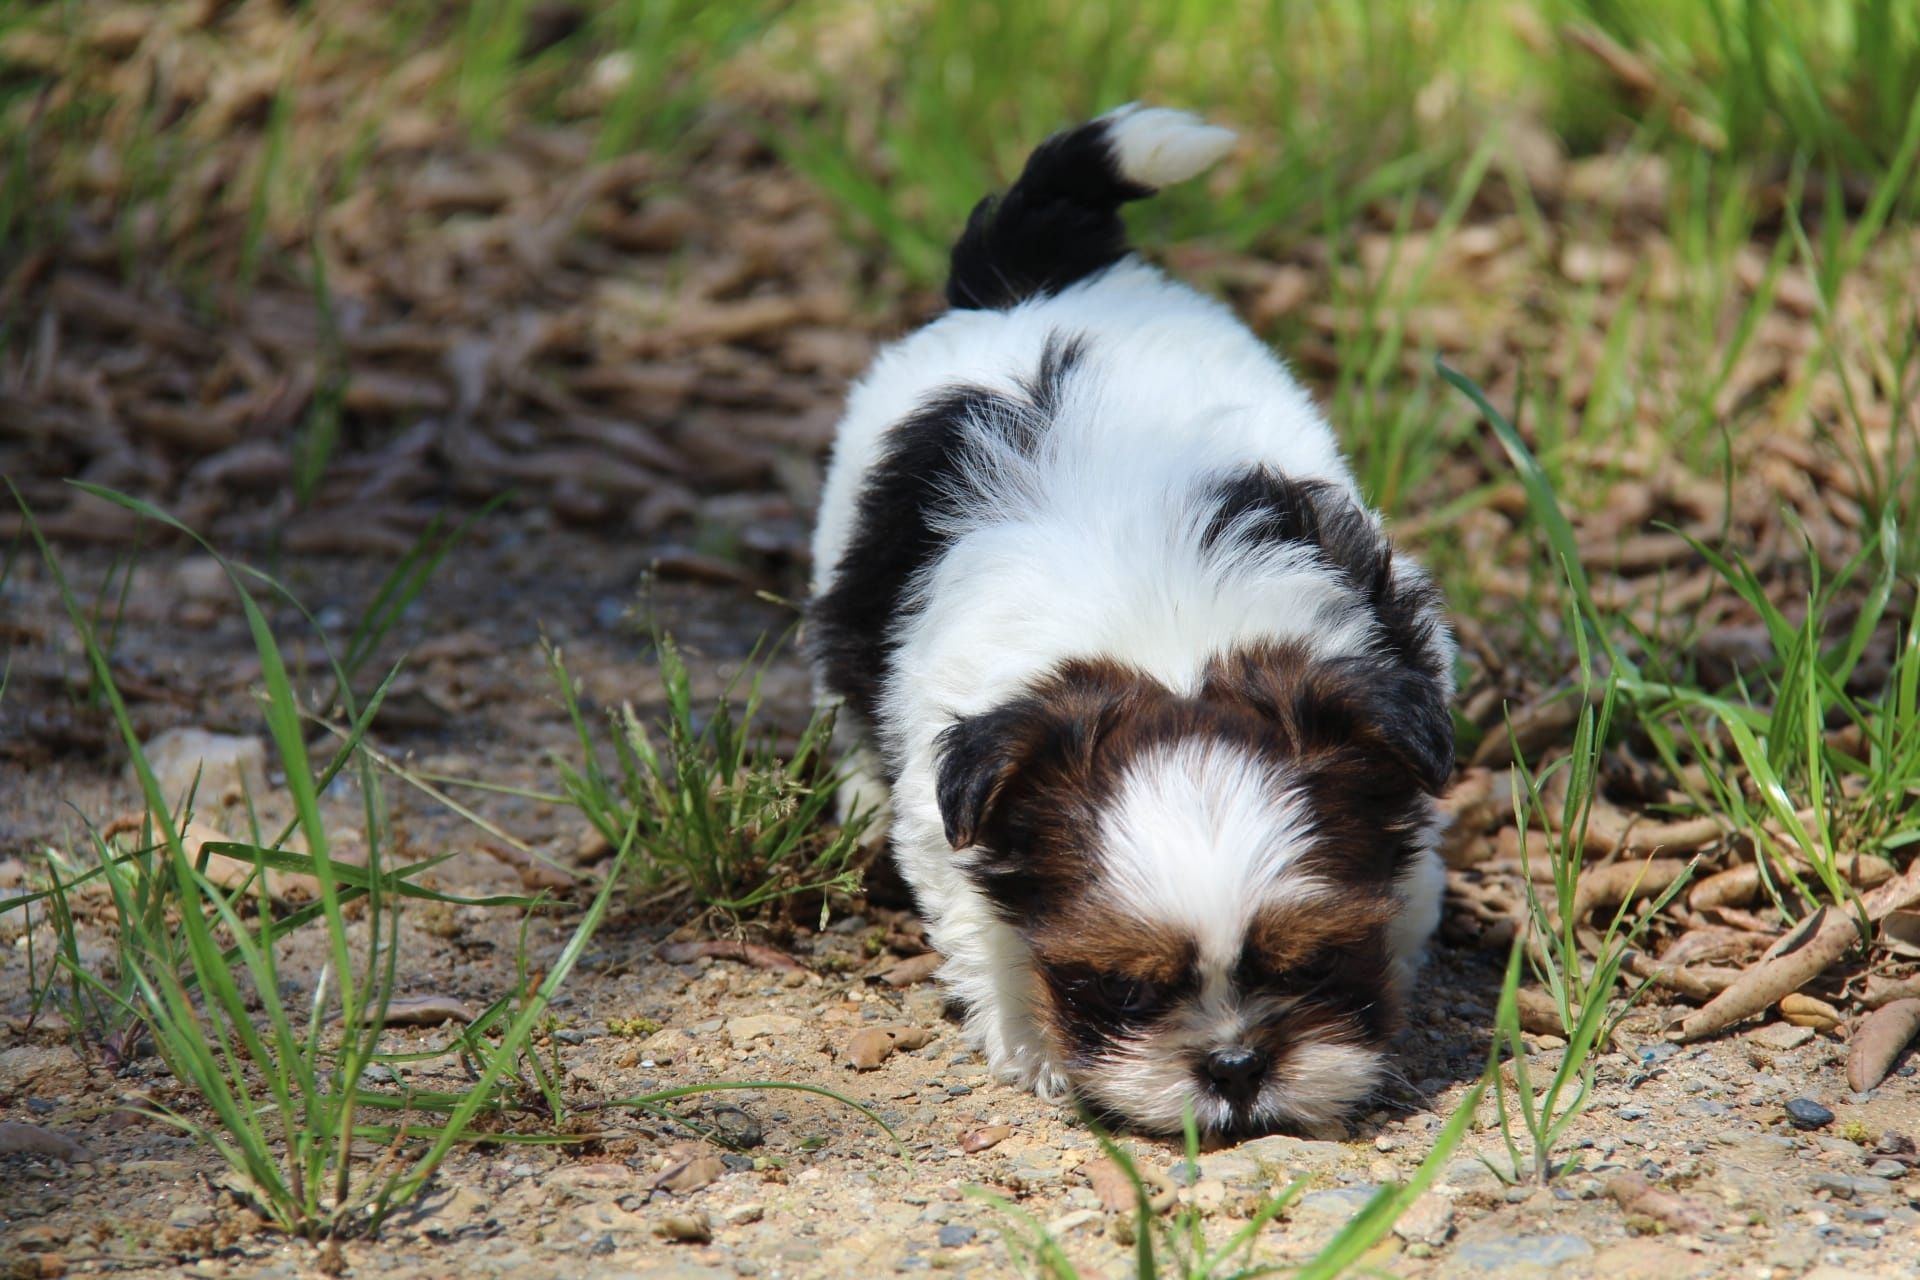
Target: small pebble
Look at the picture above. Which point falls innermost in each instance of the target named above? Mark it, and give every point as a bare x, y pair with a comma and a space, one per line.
686, 1228
1887, 1169
1781, 1036
962, 1090
954, 1235
1808, 1114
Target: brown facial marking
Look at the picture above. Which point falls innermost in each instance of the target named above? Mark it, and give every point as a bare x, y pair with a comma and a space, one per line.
1332, 960
1103, 977
1086, 937
1287, 936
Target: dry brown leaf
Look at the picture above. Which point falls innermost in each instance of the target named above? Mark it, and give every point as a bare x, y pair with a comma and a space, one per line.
1710, 944
1696, 982
1805, 1011
1881, 990
20, 1138
425, 1011
981, 1139
1878, 1041
912, 970
1538, 1013
1473, 806
1670, 1209
910, 1037
685, 1228
1900, 933
690, 1171
1734, 887
1604, 888
1800, 957
868, 1047
1534, 728
750, 953
1110, 1184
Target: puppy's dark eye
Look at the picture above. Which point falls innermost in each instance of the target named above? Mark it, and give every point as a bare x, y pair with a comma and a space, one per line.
1112, 994
1130, 996
1312, 975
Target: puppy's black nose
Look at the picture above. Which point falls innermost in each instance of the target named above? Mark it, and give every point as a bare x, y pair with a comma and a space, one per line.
1237, 1072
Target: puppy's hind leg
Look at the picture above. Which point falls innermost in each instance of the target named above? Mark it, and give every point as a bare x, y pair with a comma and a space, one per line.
863, 791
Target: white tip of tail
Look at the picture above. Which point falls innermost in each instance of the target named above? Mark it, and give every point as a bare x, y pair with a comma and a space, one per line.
1158, 146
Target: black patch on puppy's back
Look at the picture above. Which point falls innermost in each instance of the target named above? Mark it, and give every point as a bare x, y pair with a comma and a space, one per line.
921, 476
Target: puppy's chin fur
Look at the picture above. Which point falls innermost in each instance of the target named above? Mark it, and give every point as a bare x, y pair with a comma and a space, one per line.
1153, 711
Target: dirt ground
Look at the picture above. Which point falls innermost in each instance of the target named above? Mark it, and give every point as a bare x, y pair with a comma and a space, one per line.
821, 1192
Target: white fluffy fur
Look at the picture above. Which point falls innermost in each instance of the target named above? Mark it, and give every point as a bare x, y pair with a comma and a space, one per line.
1092, 546
1157, 146
1216, 806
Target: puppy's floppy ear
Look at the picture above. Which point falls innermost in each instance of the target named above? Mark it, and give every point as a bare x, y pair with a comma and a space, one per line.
1395, 712
979, 756
987, 760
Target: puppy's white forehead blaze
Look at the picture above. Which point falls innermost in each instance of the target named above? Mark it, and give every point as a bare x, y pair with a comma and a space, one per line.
1201, 836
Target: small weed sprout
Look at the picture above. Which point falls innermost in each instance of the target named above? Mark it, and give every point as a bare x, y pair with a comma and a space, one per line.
1578, 968
719, 813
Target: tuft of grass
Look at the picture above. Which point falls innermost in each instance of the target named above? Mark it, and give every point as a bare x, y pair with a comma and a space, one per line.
1390, 428
1578, 969
1796, 757
718, 812
490, 43
664, 56
319, 431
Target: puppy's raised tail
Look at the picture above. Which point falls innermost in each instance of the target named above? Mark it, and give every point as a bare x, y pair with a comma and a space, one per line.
1061, 221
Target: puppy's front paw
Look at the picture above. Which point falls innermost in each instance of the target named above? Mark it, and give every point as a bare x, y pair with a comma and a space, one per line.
1032, 1070
1050, 1084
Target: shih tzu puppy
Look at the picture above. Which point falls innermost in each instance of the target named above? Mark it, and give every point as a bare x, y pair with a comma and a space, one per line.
1155, 711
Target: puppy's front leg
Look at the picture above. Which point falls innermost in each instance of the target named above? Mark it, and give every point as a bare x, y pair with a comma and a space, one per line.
989, 967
